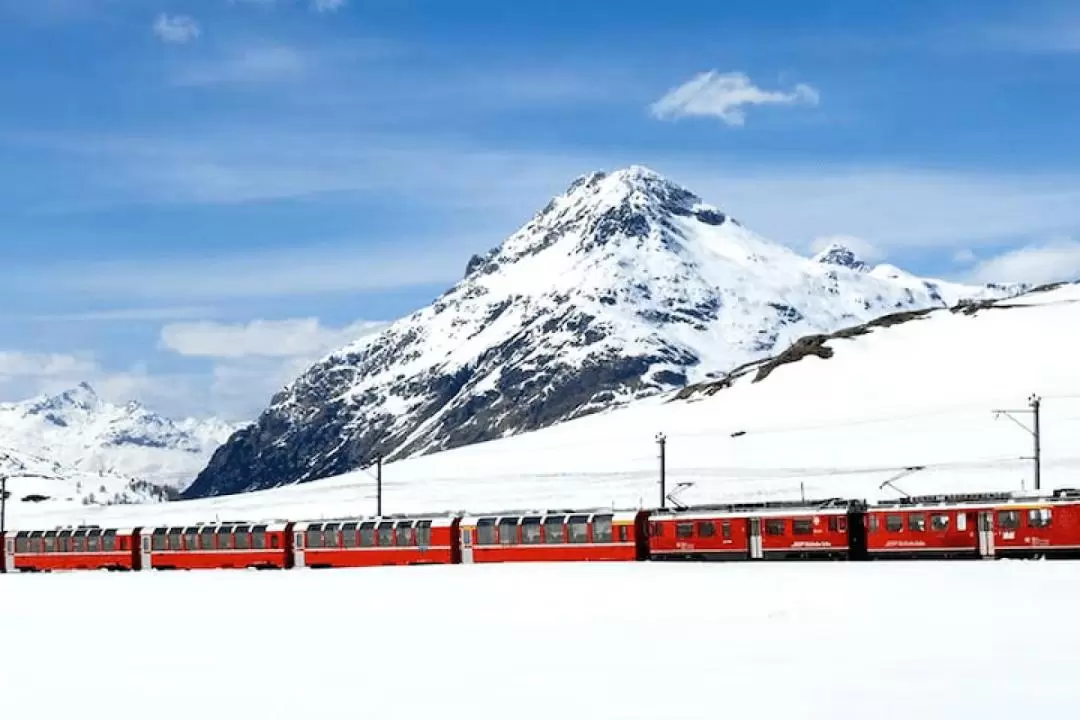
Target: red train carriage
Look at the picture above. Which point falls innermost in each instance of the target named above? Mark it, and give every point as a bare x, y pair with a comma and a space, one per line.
778, 530
975, 525
80, 548
554, 536
217, 545
414, 540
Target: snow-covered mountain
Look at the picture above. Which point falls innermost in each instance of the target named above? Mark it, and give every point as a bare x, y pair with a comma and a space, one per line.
89, 450
624, 286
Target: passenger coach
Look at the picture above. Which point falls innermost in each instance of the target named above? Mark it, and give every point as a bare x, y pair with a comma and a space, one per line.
554, 536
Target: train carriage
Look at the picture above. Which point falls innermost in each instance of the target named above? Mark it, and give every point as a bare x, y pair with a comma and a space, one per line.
78, 548
827, 529
983, 525
547, 536
363, 542
217, 545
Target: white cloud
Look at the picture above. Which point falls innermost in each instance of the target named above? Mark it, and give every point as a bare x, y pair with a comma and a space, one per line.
15, 365
327, 5
1051, 262
176, 28
864, 249
295, 338
964, 256
246, 65
725, 95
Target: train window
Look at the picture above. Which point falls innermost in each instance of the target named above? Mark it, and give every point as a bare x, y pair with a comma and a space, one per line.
331, 535
656, 529
1039, 518
706, 529
423, 533
367, 534
386, 534
21, 544
774, 527
93, 544
275, 541
508, 531
553, 530
158, 540
191, 539
601, 528
78, 544
684, 530
36, 544
894, 523
578, 527
206, 538
873, 524
404, 534
258, 537
961, 521
916, 522
63, 541
241, 538
725, 530
1008, 519
50, 542
530, 531
108, 542
802, 526
314, 536
348, 535
624, 533
939, 521
225, 538
485, 531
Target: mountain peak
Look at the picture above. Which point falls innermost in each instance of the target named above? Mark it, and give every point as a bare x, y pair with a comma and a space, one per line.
625, 286
836, 253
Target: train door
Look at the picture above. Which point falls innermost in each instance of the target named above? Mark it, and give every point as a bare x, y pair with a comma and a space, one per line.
146, 561
756, 549
9, 555
298, 549
466, 545
986, 534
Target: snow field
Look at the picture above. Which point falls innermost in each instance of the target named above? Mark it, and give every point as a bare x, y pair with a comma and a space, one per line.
635, 640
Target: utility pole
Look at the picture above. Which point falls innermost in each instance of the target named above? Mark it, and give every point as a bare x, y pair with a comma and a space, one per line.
1034, 406
378, 486
661, 440
3, 506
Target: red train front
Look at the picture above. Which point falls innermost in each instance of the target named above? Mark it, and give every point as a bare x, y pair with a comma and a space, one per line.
975, 525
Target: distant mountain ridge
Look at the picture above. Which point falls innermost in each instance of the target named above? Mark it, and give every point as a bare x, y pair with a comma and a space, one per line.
90, 444
624, 286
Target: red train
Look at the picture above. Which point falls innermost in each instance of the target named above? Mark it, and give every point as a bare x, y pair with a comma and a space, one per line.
985, 525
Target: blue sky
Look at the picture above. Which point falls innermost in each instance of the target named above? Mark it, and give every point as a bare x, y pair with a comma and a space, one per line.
199, 196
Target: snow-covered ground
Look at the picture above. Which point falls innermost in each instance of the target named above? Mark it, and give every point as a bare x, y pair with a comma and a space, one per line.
917, 394
638, 640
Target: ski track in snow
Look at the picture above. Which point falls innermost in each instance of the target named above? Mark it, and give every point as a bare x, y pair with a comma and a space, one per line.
814, 641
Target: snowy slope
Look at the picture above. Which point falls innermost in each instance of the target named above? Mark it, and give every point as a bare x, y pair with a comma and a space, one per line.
94, 451
605, 641
919, 393
625, 286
